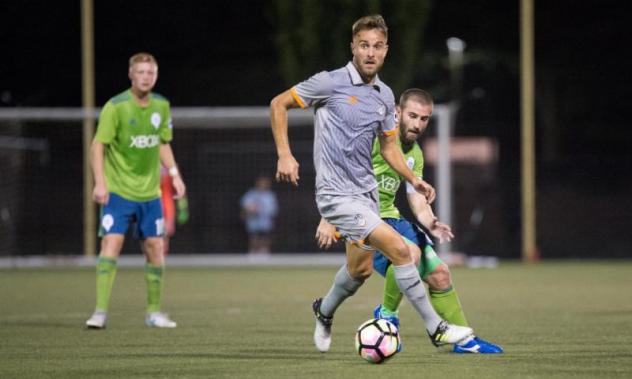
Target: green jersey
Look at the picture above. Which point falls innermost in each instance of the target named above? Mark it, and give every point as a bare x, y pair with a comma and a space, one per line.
388, 180
132, 136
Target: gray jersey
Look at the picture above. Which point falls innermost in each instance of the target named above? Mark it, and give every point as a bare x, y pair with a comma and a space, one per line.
348, 115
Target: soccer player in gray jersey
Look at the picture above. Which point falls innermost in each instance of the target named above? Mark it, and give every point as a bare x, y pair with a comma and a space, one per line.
352, 105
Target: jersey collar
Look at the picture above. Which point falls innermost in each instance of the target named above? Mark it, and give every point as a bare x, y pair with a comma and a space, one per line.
356, 79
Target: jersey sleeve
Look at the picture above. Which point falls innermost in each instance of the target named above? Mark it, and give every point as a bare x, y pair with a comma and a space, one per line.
418, 168
313, 90
106, 129
166, 127
389, 125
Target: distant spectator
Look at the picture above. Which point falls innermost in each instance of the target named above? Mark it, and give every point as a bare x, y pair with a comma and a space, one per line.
258, 209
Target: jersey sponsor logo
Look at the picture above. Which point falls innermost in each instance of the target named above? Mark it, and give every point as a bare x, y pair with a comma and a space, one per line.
410, 162
155, 119
107, 222
388, 183
145, 142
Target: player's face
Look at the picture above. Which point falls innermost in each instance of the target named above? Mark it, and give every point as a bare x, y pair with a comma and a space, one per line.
413, 120
143, 76
369, 49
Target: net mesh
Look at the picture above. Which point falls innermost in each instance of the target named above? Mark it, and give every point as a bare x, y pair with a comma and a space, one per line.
41, 207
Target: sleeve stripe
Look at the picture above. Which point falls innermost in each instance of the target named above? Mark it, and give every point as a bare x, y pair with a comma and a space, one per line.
297, 98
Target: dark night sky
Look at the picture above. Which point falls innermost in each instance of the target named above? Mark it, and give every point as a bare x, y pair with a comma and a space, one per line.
225, 56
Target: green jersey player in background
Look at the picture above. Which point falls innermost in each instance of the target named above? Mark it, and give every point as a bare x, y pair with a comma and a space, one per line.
131, 142
414, 111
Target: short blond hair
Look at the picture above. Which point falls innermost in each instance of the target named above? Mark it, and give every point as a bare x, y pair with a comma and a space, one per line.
374, 21
142, 58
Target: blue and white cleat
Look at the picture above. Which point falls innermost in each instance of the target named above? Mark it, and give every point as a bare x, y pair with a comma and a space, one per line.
393, 319
159, 320
476, 345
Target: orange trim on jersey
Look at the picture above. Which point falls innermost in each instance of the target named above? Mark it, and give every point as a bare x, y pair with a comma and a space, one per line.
297, 98
391, 132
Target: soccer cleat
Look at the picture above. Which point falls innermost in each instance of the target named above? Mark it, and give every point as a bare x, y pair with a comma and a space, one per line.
476, 345
159, 320
448, 333
97, 320
322, 333
393, 319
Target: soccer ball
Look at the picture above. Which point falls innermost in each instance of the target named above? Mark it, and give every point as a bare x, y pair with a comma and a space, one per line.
377, 340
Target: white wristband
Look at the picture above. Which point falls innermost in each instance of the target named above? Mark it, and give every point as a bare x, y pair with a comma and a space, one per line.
173, 171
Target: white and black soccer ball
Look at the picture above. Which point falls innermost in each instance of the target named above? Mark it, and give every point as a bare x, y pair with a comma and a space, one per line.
377, 340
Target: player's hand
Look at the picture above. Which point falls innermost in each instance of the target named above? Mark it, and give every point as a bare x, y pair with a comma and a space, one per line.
425, 189
100, 194
178, 185
441, 231
325, 234
287, 170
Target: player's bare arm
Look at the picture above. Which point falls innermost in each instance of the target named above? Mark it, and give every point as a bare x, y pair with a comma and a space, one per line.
424, 214
393, 156
287, 166
100, 192
168, 160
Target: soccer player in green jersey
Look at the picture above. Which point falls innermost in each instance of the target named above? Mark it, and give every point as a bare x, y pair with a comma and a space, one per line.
414, 111
131, 142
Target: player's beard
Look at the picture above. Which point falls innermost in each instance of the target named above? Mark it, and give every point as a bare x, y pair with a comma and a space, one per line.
371, 72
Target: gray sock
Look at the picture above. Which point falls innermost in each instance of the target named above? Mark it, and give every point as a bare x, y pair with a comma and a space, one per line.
410, 284
343, 287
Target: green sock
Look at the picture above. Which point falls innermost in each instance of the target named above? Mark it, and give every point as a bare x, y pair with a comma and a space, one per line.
153, 278
392, 296
448, 306
106, 271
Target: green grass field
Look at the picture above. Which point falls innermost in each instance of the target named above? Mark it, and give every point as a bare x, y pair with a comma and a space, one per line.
555, 320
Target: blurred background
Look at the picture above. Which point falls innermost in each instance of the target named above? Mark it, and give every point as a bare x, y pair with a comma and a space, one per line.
241, 54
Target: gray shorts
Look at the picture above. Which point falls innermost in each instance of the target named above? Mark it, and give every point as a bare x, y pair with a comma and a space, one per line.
354, 216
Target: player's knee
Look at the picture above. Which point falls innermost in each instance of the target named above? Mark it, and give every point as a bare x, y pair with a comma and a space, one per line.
154, 249
400, 253
111, 246
360, 272
439, 278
